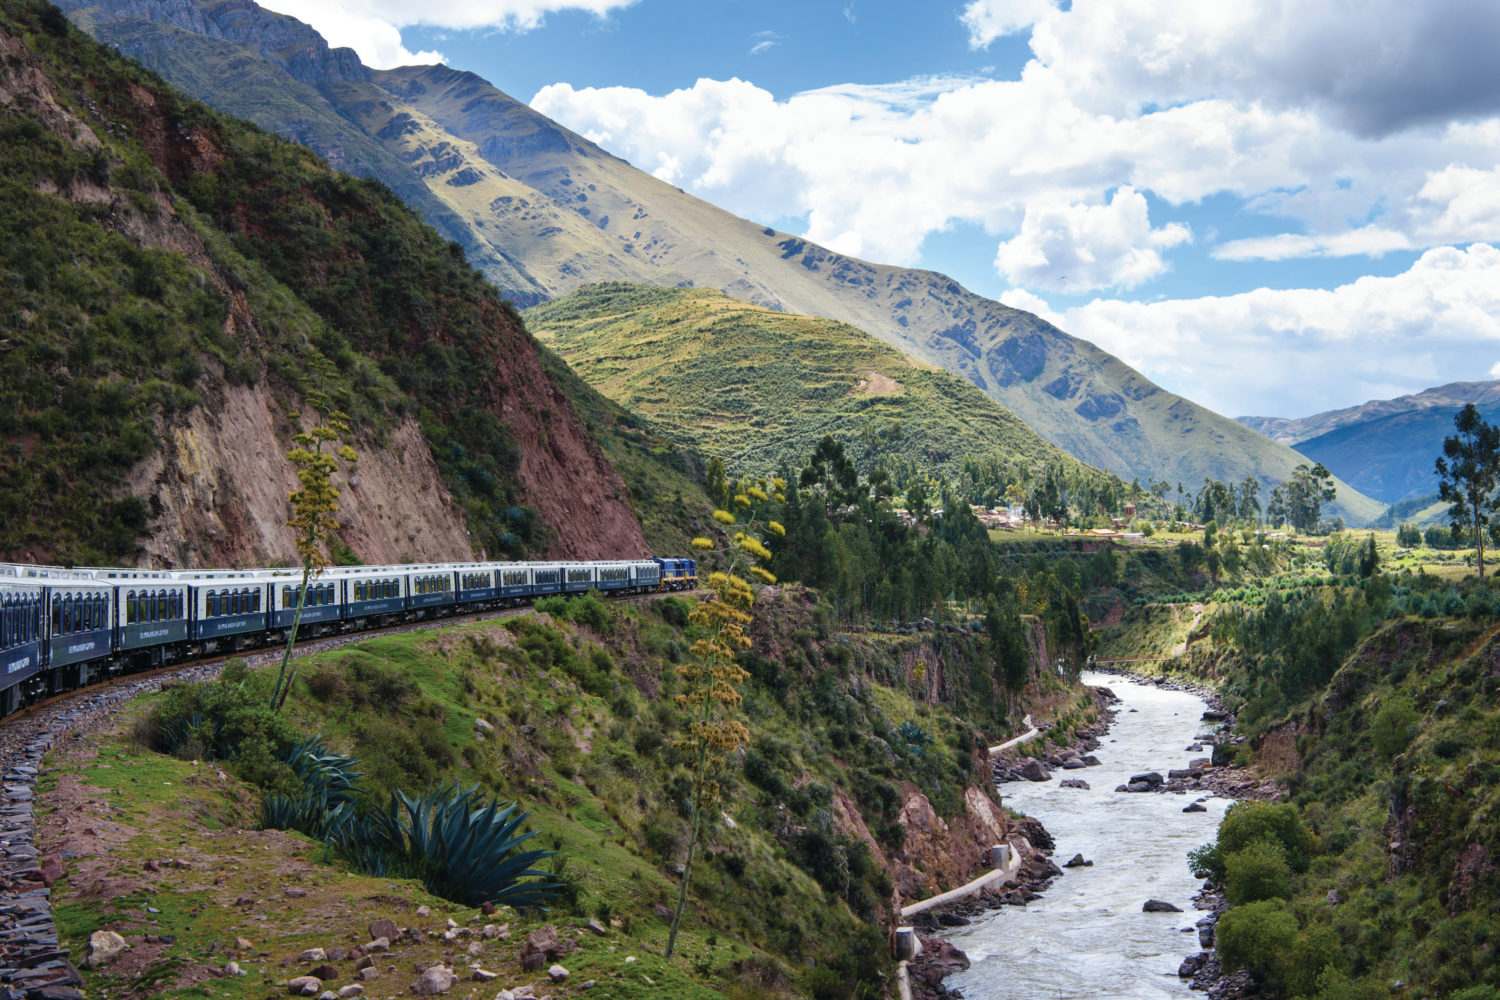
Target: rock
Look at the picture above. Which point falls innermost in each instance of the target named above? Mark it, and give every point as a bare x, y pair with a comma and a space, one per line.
304, 986
337, 954
313, 955
483, 726
328, 995
481, 976
1195, 807
1073, 764
325, 972
487, 908
385, 928
424, 911
295, 893
352, 990
233, 969
1090, 760
438, 979
1159, 906
1077, 862
1121, 788
558, 974
1074, 783
1206, 936
1189, 966
1151, 778
1033, 770
369, 973
104, 947
364, 962
243, 944
1141, 786
945, 957
541, 944
598, 928
379, 944
244, 900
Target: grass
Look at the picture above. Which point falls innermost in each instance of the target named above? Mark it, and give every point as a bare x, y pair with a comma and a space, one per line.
761, 388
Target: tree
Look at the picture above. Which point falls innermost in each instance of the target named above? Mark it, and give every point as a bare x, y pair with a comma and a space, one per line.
316, 504
711, 680
1249, 500
1300, 499
1468, 473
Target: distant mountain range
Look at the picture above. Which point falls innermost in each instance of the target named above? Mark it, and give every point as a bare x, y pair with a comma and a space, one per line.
542, 211
1386, 447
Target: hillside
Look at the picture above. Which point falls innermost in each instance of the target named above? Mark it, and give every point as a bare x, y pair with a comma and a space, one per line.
176, 277
761, 388
1385, 447
568, 214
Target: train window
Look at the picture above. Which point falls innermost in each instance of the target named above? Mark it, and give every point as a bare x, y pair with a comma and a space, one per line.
132, 613
210, 604
255, 599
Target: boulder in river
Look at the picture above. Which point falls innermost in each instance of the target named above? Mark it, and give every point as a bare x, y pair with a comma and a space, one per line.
1190, 965
1160, 906
1077, 862
1195, 807
1152, 778
1033, 770
1074, 783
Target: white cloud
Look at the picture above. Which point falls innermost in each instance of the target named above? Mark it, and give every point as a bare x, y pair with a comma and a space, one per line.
1073, 248
765, 41
1495, 370
1299, 351
372, 27
988, 20
1375, 66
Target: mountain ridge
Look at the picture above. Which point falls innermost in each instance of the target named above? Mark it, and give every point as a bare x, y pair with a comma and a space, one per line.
1385, 447
566, 214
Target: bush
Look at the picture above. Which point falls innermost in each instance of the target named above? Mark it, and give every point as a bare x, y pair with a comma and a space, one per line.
1258, 872
1248, 822
1257, 936
1394, 727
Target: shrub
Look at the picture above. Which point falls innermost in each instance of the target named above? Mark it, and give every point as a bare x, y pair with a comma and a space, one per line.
1248, 822
1256, 936
1258, 872
1394, 726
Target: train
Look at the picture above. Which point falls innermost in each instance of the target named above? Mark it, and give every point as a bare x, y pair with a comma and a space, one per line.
63, 628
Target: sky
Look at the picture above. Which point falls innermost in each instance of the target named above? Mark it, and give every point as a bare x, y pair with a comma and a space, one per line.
1272, 207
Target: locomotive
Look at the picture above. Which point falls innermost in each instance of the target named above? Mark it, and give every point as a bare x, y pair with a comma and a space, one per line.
64, 628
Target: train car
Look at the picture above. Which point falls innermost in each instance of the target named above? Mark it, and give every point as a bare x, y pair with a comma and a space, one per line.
476, 582
580, 577
79, 623
153, 616
546, 578
514, 581
645, 575
431, 588
226, 608
613, 576
22, 613
678, 573
372, 592
324, 602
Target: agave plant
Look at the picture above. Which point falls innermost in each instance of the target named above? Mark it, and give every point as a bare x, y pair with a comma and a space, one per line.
326, 772
461, 848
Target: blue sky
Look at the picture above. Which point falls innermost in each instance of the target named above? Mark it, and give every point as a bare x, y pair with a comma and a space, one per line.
1272, 206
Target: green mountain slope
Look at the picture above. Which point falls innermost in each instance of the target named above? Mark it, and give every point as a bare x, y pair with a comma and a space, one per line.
1386, 447
172, 277
761, 388
571, 214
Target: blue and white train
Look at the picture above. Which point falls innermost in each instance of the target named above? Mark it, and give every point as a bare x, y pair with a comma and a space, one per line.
65, 628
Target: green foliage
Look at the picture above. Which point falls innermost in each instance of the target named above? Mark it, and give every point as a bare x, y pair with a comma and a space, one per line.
1394, 726
1469, 477
1256, 872
1257, 936
222, 720
1247, 823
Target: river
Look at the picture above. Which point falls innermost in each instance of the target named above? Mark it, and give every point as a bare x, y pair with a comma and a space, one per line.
1087, 936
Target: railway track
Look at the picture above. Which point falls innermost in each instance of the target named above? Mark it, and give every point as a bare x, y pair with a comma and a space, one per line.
33, 963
